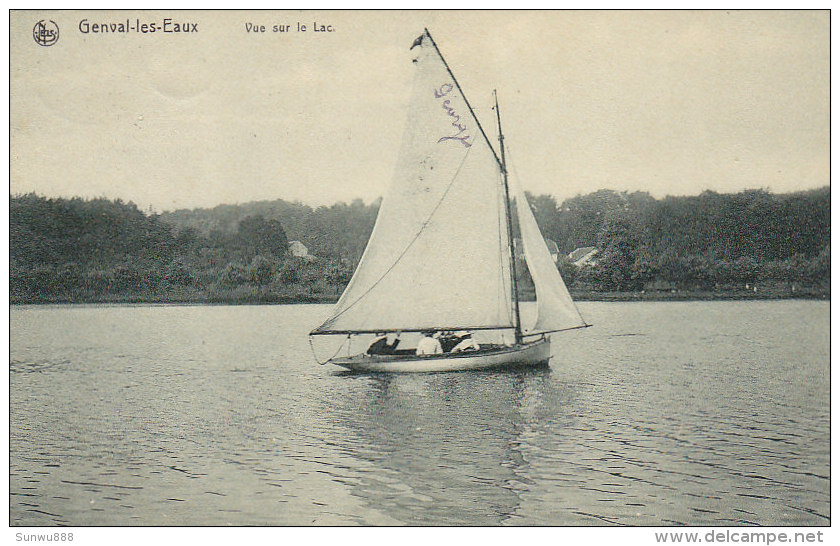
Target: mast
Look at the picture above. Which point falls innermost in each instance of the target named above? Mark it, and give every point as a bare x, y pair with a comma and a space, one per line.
357, 312
518, 323
501, 164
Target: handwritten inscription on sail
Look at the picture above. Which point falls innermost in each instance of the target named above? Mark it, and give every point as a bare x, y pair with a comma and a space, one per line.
461, 136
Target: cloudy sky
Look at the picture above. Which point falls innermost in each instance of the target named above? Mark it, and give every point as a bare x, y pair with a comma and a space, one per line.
670, 102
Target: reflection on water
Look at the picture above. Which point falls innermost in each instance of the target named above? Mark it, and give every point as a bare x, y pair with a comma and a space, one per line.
663, 414
443, 455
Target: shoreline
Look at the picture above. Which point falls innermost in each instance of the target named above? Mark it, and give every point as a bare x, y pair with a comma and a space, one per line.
577, 296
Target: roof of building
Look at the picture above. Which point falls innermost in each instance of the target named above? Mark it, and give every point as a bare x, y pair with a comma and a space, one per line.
582, 252
298, 249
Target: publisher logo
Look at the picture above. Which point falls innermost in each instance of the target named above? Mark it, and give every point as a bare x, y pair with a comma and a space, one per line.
45, 33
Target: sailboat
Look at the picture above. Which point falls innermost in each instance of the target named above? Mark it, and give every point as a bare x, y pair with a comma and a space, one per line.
441, 256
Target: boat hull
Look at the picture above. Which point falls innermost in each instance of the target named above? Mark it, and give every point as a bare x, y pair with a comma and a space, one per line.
536, 353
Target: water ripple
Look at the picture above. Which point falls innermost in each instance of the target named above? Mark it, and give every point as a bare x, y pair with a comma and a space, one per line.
672, 414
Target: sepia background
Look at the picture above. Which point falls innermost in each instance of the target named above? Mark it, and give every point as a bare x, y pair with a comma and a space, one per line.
670, 102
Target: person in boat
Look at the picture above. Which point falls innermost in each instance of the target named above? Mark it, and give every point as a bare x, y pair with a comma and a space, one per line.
448, 340
380, 345
465, 343
429, 345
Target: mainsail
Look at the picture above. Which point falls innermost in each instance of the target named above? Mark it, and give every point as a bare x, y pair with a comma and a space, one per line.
438, 254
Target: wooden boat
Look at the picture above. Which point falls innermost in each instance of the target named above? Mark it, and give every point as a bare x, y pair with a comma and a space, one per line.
536, 353
442, 256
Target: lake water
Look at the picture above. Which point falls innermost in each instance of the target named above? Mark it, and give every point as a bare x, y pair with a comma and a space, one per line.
701, 413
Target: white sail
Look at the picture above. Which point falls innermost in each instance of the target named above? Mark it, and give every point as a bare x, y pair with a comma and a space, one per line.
555, 308
438, 255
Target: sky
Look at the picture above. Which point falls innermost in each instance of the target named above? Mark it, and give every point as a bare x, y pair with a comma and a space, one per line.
668, 102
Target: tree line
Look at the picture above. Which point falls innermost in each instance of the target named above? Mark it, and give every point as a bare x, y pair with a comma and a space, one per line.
748, 240
80, 250
77, 250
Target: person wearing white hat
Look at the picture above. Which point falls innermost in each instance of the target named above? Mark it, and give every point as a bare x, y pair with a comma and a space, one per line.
380, 345
466, 343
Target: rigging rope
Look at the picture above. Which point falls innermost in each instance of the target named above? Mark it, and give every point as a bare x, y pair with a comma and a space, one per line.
315, 356
510, 164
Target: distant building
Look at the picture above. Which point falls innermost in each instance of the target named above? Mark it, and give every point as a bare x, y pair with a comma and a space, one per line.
660, 286
299, 250
583, 256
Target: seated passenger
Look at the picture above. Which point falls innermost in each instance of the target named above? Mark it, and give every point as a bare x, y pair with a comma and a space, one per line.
465, 343
428, 345
380, 345
448, 340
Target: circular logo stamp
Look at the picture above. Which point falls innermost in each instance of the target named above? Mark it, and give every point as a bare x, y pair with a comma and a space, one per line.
45, 33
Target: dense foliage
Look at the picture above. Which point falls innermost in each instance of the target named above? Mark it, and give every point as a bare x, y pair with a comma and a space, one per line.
698, 242
101, 250
339, 232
